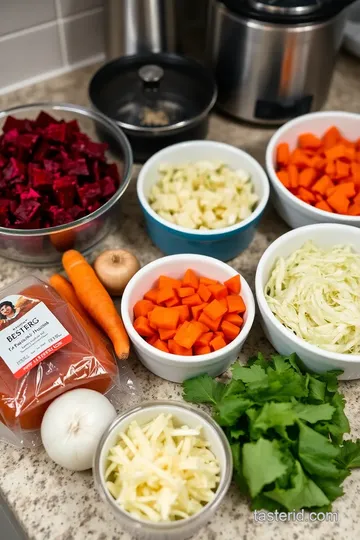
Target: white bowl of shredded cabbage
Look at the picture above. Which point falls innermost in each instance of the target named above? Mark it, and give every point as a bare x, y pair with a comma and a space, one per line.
163, 468
308, 293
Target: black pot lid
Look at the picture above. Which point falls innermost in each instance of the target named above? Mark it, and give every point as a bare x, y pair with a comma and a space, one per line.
287, 7
287, 11
153, 93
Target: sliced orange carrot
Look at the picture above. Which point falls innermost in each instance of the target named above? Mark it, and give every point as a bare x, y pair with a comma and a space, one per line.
166, 318
166, 281
204, 349
175, 348
230, 330
213, 325
218, 343
307, 177
151, 295
215, 310
355, 171
204, 292
161, 345
173, 302
204, 339
330, 169
323, 184
293, 176
341, 169
234, 319
235, 304
196, 310
151, 340
309, 140
190, 279
165, 293
192, 300
319, 163
141, 325
166, 334
331, 137
300, 159
323, 205
186, 291
233, 284
183, 311
218, 291
347, 189
283, 154
339, 202
306, 195
283, 176
354, 210
336, 152
207, 281
357, 198
142, 308
188, 333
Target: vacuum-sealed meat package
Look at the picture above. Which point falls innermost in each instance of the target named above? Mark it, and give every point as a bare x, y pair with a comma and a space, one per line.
46, 349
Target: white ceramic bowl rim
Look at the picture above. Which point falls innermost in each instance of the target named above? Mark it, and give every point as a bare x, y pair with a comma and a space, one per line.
275, 139
216, 145
175, 358
350, 358
204, 418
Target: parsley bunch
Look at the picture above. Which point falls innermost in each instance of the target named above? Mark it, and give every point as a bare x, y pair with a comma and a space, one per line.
285, 425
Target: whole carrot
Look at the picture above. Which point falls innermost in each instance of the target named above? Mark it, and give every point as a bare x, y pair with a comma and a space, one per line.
67, 293
96, 300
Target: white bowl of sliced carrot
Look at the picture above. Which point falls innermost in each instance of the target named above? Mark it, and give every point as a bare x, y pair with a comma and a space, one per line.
187, 315
313, 163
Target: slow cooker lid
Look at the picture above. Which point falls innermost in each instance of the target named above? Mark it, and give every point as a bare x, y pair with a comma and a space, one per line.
287, 7
287, 11
153, 93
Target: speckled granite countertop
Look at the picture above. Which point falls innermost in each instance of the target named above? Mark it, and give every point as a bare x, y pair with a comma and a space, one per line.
55, 504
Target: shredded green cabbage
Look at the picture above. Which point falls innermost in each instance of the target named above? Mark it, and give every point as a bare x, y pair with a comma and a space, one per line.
316, 293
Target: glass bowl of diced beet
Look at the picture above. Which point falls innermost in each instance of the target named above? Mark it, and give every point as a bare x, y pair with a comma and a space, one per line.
60, 183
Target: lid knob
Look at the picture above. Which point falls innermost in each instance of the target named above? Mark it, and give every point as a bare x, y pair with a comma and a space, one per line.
151, 76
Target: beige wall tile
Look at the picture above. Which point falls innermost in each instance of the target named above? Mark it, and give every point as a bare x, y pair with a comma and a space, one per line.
84, 37
19, 14
29, 54
70, 7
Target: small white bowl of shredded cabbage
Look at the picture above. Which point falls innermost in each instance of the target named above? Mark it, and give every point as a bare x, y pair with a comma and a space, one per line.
308, 292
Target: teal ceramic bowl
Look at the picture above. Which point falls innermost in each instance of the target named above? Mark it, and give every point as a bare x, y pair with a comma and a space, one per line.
223, 244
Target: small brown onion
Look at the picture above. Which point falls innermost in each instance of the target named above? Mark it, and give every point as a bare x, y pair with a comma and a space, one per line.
115, 268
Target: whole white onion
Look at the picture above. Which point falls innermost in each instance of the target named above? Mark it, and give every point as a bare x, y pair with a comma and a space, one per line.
72, 427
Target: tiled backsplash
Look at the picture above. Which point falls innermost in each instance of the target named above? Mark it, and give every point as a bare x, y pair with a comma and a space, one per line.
44, 38
40, 38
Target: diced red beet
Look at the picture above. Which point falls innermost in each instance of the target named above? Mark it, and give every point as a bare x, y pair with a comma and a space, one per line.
51, 173
108, 187
78, 166
26, 211
40, 178
44, 119
55, 132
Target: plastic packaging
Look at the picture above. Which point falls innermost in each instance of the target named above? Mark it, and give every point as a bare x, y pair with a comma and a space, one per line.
46, 349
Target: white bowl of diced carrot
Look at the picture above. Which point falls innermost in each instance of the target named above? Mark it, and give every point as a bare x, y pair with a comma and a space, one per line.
313, 163
187, 315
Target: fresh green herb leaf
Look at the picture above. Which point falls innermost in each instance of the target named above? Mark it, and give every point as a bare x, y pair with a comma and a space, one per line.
253, 374
274, 415
316, 452
314, 413
262, 464
303, 493
349, 456
316, 389
203, 389
229, 410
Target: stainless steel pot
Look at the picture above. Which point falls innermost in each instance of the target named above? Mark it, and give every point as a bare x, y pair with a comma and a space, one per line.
269, 72
139, 26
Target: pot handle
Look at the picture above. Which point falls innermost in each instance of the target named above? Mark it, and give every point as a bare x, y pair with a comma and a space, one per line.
151, 76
